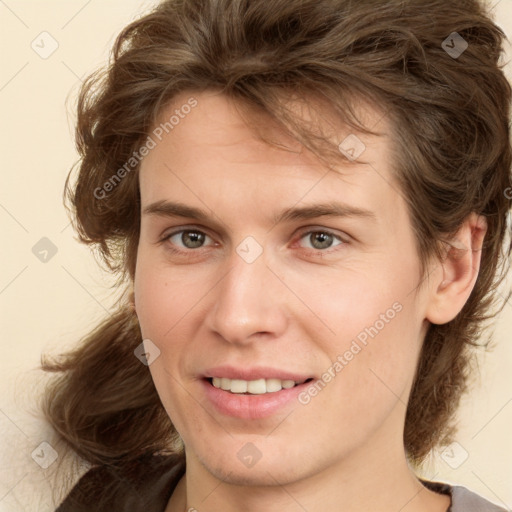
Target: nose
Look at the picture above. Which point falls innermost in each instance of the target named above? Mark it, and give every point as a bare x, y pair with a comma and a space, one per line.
249, 302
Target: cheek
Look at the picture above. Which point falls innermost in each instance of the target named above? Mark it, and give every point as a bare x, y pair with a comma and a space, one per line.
162, 304
373, 369
161, 298
374, 337
150, 303
358, 305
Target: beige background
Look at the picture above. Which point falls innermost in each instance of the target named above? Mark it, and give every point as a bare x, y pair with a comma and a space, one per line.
47, 306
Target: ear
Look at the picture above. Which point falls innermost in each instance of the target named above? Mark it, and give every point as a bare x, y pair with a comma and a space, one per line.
454, 282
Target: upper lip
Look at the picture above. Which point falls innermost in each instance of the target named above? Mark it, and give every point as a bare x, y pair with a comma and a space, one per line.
254, 373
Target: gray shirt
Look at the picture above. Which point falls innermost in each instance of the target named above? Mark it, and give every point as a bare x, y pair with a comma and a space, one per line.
463, 500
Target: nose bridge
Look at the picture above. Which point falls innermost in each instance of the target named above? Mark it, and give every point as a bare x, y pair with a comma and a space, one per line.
248, 299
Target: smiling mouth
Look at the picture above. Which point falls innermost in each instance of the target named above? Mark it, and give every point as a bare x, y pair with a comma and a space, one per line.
253, 387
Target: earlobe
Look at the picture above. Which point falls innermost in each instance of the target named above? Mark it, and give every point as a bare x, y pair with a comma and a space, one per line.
459, 271
131, 299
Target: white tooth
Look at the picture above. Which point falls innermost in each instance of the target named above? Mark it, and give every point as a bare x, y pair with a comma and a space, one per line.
273, 385
256, 387
238, 386
225, 384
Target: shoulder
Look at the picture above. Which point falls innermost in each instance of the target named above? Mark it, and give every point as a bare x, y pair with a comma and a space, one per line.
463, 500
468, 501
145, 483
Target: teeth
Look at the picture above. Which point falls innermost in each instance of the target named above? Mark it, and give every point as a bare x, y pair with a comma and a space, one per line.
254, 387
238, 386
273, 385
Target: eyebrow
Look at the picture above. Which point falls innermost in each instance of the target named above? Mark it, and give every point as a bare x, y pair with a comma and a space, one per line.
164, 208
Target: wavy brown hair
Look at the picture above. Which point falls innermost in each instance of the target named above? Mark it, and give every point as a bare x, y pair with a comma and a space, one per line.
450, 122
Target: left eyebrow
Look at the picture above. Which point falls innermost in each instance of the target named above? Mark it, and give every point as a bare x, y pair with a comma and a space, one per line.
333, 209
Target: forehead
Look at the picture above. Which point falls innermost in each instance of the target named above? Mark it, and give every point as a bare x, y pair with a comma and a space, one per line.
213, 116
211, 151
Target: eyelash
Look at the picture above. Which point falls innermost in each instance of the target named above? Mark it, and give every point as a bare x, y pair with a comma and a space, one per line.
310, 251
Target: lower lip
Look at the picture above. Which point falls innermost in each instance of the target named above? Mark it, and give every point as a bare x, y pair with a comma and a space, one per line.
251, 407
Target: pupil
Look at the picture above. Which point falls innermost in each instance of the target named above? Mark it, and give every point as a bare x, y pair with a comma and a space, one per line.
192, 239
324, 238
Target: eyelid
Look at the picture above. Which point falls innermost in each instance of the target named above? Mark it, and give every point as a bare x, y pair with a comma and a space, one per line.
319, 229
303, 232
168, 234
309, 230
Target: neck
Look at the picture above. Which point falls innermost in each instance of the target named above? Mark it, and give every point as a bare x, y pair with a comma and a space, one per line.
385, 483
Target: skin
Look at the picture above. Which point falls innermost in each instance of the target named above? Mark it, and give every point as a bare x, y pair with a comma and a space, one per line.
296, 307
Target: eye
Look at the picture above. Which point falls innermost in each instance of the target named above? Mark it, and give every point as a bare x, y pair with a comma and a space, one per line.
188, 238
321, 240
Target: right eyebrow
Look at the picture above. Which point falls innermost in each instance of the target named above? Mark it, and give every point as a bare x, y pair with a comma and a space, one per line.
165, 208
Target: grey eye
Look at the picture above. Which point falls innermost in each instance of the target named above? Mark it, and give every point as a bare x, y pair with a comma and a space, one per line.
188, 238
321, 239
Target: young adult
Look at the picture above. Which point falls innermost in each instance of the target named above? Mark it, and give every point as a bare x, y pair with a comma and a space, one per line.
307, 204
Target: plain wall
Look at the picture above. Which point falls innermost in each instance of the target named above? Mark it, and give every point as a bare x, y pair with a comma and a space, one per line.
47, 306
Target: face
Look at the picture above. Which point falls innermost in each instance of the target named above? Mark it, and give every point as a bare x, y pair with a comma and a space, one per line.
283, 297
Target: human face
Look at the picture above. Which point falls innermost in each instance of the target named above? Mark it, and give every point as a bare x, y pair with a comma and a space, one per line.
245, 292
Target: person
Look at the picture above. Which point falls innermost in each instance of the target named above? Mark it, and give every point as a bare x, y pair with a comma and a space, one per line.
306, 204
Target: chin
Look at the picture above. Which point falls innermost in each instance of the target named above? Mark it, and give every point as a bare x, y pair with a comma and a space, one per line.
266, 475
268, 471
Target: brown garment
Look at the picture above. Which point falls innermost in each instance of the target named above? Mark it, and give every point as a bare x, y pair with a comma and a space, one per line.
147, 484
144, 485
